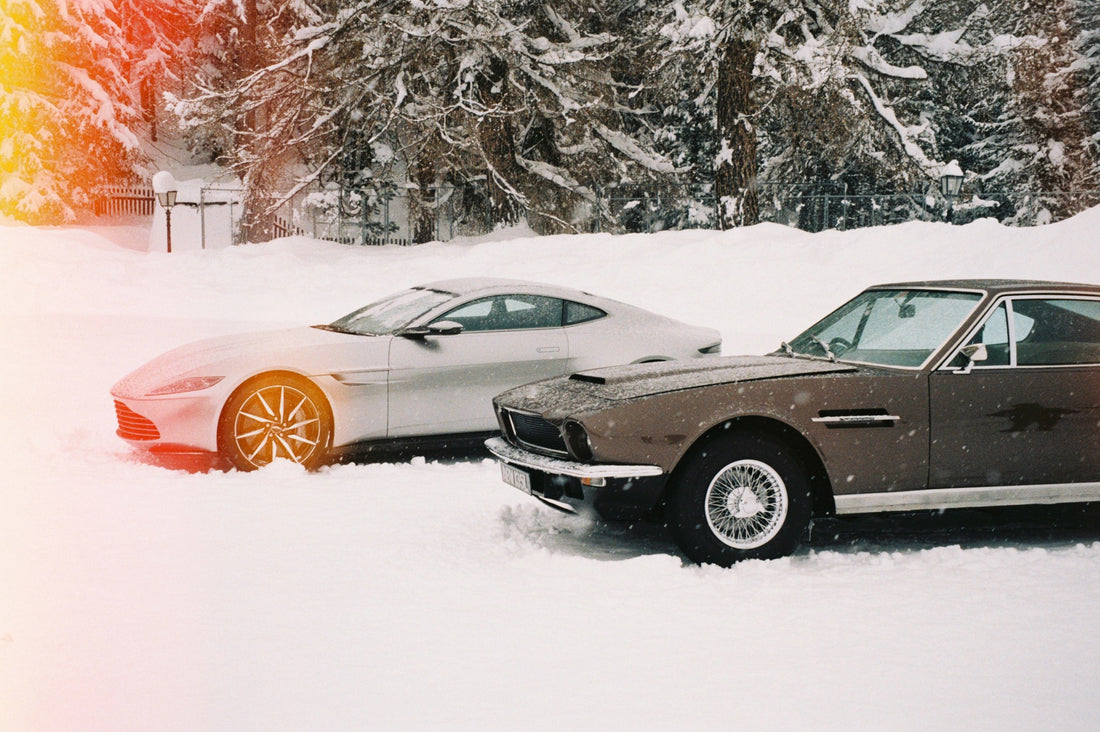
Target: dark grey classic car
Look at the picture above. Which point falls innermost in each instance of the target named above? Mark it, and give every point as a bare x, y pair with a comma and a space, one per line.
924, 395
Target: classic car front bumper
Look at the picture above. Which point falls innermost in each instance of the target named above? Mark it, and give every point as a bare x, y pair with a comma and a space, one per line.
615, 491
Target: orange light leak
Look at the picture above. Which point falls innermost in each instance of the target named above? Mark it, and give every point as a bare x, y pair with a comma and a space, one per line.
21, 86
71, 73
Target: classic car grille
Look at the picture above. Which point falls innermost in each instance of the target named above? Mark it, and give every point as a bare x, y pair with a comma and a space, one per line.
536, 433
132, 426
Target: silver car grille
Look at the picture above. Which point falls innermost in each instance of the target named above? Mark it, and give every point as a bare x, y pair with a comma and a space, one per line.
534, 432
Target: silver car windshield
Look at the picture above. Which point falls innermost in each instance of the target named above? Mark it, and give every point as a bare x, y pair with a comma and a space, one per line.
887, 327
393, 313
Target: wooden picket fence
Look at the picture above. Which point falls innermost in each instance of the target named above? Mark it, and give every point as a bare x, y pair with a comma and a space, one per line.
125, 201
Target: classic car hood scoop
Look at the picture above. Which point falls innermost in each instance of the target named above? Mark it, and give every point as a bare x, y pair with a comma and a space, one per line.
628, 382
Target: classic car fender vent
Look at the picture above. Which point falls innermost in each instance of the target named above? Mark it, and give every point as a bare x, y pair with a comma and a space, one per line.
849, 418
589, 378
534, 432
132, 426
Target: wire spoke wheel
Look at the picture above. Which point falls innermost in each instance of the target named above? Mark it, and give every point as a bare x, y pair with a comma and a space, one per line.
746, 504
740, 496
277, 421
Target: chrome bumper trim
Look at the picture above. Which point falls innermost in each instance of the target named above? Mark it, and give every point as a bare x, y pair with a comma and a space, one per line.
545, 464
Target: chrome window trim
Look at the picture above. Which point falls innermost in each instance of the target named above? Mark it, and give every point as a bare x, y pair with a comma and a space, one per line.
935, 499
1010, 313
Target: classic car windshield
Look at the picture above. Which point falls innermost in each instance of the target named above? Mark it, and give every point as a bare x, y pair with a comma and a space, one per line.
888, 327
392, 313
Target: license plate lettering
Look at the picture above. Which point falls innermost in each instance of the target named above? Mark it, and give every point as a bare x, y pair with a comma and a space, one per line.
516, 478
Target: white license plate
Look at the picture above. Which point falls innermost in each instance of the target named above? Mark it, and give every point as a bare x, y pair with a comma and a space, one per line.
515, 477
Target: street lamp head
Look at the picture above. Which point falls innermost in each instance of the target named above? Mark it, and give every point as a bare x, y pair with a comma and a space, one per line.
951, 180
165, 186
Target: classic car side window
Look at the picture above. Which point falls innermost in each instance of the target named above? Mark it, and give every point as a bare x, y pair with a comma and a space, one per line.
1056, 331
508, 312
994, 334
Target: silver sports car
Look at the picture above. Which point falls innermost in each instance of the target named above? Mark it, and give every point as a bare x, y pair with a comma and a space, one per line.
425, 362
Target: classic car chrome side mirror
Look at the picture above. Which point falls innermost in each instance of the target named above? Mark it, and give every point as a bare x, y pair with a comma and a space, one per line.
974, 353
438, 328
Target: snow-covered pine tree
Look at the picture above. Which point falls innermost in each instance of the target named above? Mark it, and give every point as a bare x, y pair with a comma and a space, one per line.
1047, 143
1006, 94
817, 91
733, 60
1088, 45
159, 36
518, 94
249, 102
67, 109
77, 87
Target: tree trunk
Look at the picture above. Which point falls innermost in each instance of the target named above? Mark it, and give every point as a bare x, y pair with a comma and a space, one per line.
257, 223
423, 211
498, 146
735, 169
257, 219
250, 54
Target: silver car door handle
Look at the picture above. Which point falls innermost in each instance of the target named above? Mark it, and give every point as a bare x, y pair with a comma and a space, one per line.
548, 349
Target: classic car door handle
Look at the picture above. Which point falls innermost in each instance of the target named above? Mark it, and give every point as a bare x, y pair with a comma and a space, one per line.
547, 349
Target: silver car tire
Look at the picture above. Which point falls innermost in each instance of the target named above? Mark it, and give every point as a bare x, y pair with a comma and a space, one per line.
277, 416
740, 496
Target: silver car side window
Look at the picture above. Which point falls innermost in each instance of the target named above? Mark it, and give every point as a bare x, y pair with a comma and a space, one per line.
576, 313
508, 312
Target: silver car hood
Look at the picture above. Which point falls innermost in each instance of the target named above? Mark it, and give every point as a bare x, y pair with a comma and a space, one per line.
304, 349
594, 389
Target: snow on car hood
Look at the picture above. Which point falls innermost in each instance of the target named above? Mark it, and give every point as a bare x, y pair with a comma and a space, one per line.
591, 389
305, 349
629, 382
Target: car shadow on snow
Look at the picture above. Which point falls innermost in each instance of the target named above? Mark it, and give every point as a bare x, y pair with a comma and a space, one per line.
206, 462
459, 451
1010, 526
1015, 527
189, 462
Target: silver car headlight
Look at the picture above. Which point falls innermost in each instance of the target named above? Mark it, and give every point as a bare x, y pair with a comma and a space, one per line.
576, 440
186, 384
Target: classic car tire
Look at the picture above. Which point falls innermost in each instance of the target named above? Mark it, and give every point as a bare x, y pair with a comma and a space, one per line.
740, 496
272, 417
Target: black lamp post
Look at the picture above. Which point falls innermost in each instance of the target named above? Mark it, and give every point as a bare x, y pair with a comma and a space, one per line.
165, 187
951, 180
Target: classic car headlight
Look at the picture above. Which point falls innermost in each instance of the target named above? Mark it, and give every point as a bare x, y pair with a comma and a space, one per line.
576, 440
190, 383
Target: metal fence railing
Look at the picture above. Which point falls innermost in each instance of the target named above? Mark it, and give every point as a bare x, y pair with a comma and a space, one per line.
397, 216
818, 208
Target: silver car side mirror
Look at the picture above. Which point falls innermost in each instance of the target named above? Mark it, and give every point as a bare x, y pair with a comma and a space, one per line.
445, 328
975, 352
438, 328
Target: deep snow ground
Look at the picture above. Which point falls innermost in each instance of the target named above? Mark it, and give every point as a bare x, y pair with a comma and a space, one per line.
426, 594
